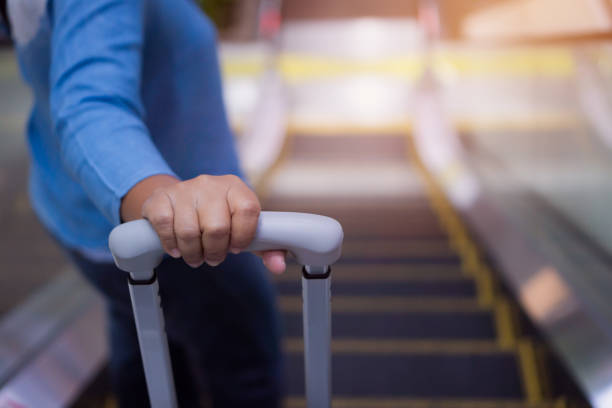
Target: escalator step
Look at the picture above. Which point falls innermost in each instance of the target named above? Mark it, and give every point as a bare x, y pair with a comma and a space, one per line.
374, 220
389, 272
378, 248
334, 148
476, 373
476, 325
387, 304
402, 402
459, 287
425, 229
409, 260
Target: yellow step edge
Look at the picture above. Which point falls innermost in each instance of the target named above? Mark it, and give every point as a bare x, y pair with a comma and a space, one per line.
505, 323
404, 402
485, 289
530, 371
471, 260
401, 346
460, 243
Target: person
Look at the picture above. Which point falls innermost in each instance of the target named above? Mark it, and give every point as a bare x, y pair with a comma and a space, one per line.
128, 121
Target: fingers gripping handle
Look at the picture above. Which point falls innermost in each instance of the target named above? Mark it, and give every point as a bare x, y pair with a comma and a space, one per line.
312, 239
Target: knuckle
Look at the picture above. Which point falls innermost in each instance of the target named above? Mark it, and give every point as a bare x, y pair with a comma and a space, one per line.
249, 208
218, 230
167, 241
188, 233
203, 178
162, 220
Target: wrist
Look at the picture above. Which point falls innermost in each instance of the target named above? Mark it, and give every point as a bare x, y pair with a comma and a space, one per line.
131, 203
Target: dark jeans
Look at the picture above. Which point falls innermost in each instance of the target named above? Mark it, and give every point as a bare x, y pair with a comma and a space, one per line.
222, 326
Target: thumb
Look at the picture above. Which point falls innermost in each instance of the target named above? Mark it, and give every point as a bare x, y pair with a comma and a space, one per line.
274, 261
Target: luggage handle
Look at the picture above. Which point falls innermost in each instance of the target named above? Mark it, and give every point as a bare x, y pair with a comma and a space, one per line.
315, 241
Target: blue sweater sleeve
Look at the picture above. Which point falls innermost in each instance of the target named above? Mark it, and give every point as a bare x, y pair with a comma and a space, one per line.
97, 112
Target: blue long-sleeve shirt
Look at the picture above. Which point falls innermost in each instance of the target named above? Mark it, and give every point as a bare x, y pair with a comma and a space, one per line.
123, 90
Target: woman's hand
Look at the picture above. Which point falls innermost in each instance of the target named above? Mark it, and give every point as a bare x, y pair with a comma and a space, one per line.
201, 219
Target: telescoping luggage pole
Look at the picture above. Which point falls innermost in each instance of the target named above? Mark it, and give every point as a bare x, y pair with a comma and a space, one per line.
316, 243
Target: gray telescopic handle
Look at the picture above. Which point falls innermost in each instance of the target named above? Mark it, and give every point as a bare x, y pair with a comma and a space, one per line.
313, 240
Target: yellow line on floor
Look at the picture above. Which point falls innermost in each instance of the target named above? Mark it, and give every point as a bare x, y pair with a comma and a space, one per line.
301, 67
393, 346
398, 402
296, 126
562, 120
538, 122
382, 273
548, 63
232, 68
390, 304
543, 62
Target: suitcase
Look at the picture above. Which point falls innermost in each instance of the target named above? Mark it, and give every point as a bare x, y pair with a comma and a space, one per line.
316, 243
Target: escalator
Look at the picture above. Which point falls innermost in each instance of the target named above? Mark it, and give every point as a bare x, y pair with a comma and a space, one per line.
421, 314
417, 320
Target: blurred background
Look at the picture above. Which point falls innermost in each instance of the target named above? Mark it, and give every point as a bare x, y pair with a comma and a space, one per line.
466, 147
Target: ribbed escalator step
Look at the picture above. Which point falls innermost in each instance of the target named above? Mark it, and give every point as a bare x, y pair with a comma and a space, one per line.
403, 402
416, 369
404, 220
384, 272
425, 259
378, 248
434, 325
460, 287
335, 147
397, 317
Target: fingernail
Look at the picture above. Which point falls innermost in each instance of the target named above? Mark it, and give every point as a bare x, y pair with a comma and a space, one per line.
213, 263
235, 251
175, 253
196, 265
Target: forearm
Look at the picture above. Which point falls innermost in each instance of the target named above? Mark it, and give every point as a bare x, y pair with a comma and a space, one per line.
95, 99
131, 204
